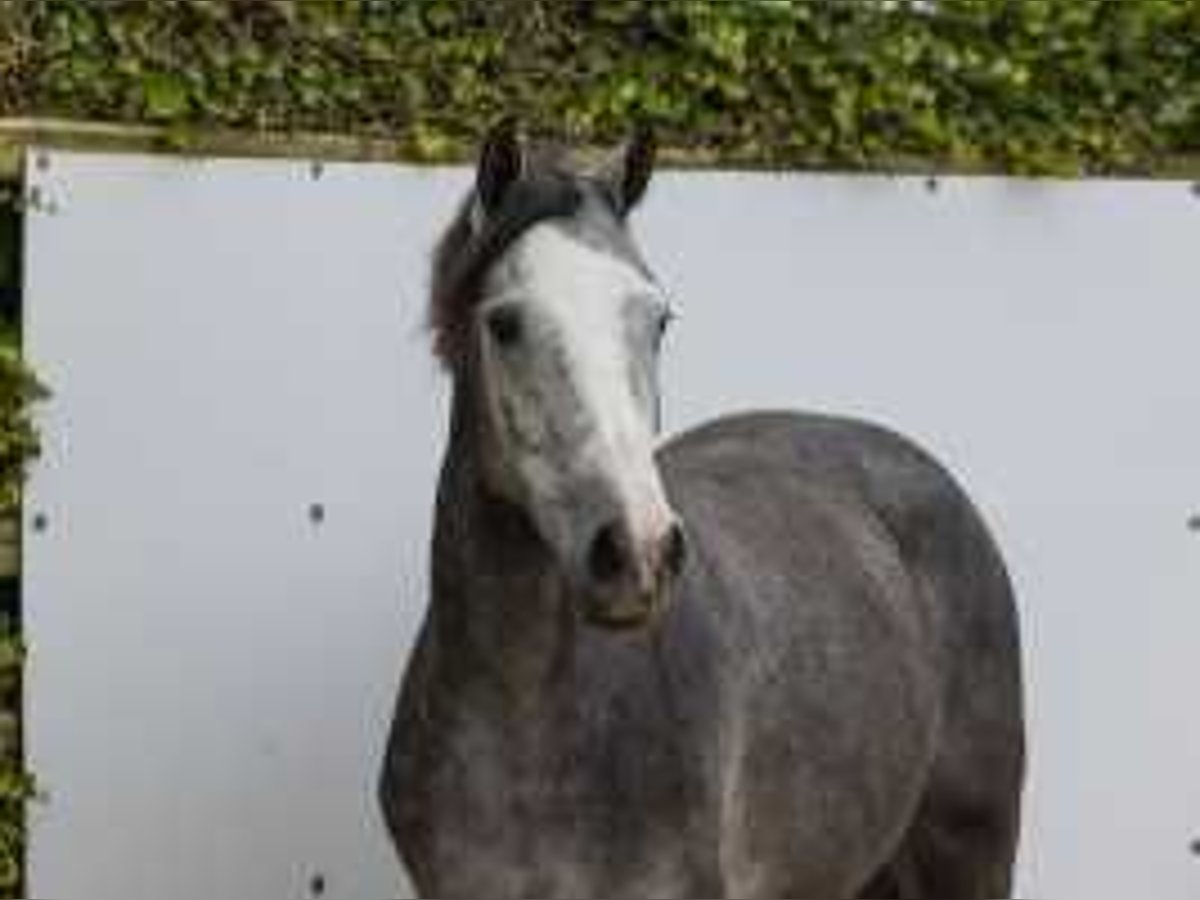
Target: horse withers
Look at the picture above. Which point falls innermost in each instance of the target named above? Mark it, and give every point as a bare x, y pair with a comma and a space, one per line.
775, 656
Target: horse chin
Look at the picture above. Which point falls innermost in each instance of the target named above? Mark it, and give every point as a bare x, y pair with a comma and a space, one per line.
619, 624
623, 619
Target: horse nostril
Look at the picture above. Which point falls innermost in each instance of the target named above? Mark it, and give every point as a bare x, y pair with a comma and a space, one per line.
606, 561
676, 550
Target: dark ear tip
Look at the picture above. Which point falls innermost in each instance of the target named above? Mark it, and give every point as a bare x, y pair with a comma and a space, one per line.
504, 132
643, 134
640, 151
499, 162
642, 144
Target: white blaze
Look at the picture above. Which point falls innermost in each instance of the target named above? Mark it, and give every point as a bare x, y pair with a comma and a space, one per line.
583, 307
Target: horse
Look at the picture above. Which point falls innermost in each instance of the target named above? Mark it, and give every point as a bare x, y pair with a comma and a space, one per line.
776, 655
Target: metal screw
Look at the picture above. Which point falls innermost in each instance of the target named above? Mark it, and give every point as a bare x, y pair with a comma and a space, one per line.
1194, 846
316, 513
317, 169
1195, 188
39, 201
1193, 524
40, 522
932, 184
316, 885
42, 161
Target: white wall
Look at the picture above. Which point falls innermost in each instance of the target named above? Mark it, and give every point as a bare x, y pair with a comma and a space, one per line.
230, 342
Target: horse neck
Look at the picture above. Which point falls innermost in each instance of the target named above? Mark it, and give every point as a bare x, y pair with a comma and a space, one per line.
501, 612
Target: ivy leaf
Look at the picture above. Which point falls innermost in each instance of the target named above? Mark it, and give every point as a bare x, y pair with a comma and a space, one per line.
164, 95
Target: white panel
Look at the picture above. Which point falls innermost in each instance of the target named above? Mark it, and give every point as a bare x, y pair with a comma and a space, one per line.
1042, 339
211, 671
229, 342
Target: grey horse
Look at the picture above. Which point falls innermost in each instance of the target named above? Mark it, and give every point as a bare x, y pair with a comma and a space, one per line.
775, 656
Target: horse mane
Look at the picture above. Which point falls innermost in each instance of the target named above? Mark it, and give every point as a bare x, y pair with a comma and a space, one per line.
548, 189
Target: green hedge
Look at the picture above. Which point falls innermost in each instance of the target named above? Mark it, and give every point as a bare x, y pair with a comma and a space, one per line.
1026, 86
17, 444
1012, 85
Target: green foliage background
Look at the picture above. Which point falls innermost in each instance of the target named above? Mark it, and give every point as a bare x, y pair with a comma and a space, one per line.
1014, 85
1023, 86
17, 444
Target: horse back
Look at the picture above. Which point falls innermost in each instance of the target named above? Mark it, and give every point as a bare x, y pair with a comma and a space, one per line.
883, 488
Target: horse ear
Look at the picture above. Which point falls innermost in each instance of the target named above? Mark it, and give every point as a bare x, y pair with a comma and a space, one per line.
628, 173
500, 163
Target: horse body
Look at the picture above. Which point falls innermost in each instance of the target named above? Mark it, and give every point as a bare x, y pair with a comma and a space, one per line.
828, 704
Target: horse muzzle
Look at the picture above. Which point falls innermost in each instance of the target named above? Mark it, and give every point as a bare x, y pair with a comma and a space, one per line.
629, 576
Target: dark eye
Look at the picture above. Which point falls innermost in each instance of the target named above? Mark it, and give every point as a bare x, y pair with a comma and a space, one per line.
665, 318
506, 326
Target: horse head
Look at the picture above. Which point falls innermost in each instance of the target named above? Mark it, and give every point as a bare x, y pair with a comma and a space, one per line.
543, 305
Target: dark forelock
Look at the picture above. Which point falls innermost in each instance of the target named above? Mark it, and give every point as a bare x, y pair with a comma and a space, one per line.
464, 255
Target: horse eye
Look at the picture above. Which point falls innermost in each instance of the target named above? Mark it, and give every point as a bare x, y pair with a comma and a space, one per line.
665, 318
505, 326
